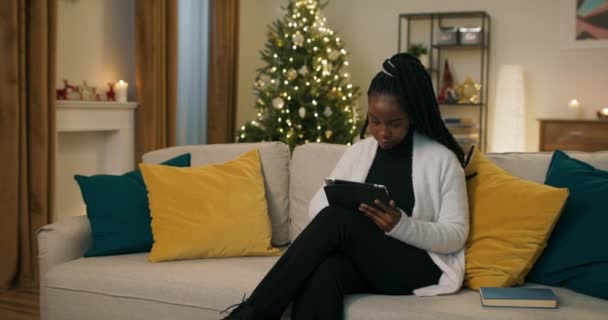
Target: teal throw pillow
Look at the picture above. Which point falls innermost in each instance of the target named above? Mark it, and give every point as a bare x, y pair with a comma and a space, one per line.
117, 208
576, 255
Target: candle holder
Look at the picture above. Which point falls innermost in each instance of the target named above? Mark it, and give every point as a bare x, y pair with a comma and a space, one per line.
603, 114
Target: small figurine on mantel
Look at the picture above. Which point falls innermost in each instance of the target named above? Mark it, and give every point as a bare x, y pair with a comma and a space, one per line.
110, 94
66, 92
89, 93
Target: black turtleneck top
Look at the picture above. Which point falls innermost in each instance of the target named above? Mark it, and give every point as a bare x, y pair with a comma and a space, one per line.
393, 168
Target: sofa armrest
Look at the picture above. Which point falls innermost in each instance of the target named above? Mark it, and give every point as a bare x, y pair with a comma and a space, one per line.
62, 241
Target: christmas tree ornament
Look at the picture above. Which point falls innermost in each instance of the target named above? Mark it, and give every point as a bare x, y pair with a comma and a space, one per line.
292, 74
303, 71
298, 39
278, 103
327, 112
302, 112
328, 134
333, 55
327, 68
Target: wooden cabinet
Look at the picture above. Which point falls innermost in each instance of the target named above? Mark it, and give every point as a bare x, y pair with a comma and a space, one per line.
581, 135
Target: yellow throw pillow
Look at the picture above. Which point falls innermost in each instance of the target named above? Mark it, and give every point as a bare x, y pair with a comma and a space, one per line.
208, 211
511, 221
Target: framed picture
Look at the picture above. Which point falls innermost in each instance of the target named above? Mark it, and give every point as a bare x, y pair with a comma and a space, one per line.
583, 24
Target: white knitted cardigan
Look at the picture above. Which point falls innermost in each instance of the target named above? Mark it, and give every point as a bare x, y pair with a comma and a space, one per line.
440, 220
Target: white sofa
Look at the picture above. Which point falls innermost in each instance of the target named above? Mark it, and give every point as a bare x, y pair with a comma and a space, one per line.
129, 287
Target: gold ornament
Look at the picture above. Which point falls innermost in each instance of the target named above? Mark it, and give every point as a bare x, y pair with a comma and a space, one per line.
328, 134
278, 103
468, 91
292, 74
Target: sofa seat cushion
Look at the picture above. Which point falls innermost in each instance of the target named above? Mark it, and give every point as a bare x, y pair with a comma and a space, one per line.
465, 305
214, 284
206, 283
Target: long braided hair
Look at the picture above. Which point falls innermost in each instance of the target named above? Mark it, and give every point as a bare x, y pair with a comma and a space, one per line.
404, 77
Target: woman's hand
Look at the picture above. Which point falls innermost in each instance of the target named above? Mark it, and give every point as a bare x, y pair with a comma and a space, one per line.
385, 217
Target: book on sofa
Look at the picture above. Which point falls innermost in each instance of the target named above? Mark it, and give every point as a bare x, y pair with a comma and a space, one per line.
350, 194
518, 297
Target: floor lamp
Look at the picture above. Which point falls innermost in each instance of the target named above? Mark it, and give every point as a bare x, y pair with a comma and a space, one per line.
508, 125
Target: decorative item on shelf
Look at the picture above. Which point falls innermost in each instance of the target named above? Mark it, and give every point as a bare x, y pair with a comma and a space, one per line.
421, 52
447, 36
470, 35
121, 91
111, 94
468, 91
62, 94
75, 93
603, 114
89, 93
575, 106
447, 94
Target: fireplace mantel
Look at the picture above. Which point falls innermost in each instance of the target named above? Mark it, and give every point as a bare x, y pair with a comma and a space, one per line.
92, 138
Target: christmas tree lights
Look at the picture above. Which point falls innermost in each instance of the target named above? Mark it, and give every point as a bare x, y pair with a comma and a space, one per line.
303, 93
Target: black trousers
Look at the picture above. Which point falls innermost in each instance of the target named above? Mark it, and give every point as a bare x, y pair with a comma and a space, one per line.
340, 252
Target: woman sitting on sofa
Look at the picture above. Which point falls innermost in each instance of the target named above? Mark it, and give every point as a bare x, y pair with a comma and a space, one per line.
412, 245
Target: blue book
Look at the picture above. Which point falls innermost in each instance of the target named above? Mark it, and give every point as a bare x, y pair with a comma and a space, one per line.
518, 297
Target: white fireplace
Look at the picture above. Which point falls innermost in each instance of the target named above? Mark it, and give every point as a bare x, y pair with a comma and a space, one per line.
92, 138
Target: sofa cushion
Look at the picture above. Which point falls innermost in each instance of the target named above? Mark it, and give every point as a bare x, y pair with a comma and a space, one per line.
117, 209
208, 211
572, 260
310, 165
511, 220
129, 282
537, 163
275, 168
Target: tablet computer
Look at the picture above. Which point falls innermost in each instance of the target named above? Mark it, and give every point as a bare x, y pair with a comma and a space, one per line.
350, 194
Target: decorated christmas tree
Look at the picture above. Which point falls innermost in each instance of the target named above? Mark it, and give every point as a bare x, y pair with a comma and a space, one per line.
303, 93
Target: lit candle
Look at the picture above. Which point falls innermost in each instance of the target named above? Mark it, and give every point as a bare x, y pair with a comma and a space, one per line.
575, 105
121, 91
604, 111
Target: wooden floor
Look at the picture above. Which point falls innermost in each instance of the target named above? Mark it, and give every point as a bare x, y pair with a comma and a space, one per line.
19, 304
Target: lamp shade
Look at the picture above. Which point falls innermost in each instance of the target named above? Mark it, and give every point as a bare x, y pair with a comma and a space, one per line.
509, 125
